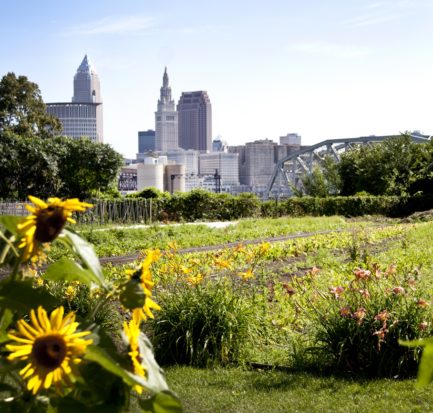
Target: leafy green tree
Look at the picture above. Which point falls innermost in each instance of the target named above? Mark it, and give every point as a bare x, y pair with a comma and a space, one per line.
396, 166
22, 110
314, 184
323, 181
87, 168
56, 167
28, 165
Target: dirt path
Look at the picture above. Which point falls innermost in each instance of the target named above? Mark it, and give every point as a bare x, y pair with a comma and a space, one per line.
126, 259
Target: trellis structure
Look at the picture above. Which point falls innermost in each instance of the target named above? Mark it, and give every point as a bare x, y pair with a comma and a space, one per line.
143, 211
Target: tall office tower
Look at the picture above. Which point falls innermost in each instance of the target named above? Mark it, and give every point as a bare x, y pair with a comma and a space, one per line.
195, 121
82, 116
146, 141
166, 129
86, 84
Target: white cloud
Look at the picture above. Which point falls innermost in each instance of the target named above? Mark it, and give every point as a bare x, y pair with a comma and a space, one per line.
110, 25
329, 49
370, 20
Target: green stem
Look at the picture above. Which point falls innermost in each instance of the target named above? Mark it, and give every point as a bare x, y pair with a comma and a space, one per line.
101, 302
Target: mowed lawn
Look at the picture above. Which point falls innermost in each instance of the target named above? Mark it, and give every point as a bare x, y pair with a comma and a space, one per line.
236, 390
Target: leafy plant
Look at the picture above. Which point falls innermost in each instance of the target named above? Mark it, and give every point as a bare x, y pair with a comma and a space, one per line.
358, 323
51, 355
202, 325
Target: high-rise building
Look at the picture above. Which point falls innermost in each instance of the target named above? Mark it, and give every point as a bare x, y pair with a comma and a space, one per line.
87, 88
257, 161
166, 128
195, 121
82, 116
221, 164
146, 141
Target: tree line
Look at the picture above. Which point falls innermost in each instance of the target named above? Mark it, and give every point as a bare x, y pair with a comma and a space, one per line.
35, 160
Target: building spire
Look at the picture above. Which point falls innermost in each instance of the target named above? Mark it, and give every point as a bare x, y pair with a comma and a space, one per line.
165, 89
165, 78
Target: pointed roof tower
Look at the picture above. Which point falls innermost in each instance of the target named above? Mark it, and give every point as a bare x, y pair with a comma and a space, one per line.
86, 83
165, 78
86, 66
165, 95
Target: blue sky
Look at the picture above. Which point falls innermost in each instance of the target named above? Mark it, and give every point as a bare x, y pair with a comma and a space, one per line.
323, 69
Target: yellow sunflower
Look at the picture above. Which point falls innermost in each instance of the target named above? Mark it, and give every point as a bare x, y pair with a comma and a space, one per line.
142, 313
46, 221
144, 274
132, 333
50, 346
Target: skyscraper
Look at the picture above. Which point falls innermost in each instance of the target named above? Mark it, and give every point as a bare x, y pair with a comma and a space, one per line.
195, 121
82, 116
166, 128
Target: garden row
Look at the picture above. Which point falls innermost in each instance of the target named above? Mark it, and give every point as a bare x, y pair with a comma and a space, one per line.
333, 302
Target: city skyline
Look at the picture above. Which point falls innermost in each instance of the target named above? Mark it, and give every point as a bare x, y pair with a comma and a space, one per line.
321, 69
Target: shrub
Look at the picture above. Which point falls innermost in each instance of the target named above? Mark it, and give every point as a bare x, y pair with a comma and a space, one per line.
357, 324
201, 325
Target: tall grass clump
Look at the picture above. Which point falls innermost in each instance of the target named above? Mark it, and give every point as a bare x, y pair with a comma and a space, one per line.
202, 325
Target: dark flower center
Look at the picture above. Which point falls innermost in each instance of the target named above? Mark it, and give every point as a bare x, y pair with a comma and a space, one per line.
49, 351
49, 222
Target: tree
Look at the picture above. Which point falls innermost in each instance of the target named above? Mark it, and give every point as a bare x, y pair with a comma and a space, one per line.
392, 167
28, 166
87, 168
315, 184
55, 167
323, 181
22, 110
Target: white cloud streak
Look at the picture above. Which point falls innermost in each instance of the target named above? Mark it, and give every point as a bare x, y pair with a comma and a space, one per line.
110, 25
327, 49
371, 20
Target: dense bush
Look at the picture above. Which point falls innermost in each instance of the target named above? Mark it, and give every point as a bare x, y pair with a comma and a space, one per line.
201, 325
357, 323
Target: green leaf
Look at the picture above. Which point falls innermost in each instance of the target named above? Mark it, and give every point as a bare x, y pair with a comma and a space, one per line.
425, 369
87, 254
155, 379
101, 357
21, 296
10, 222
132, 295
162, 402
68, 270
416, 343
5, 322
7, 387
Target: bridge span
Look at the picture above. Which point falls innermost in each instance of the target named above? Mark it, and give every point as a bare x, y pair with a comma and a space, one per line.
289, 170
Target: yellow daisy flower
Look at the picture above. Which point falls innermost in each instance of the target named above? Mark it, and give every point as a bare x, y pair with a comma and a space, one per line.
50, 346
132, 333
46, 221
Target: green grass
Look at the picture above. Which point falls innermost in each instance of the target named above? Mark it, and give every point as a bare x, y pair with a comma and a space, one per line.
236, 390
128, 240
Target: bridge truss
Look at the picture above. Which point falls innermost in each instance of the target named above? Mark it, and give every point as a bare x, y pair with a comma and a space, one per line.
288, 171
